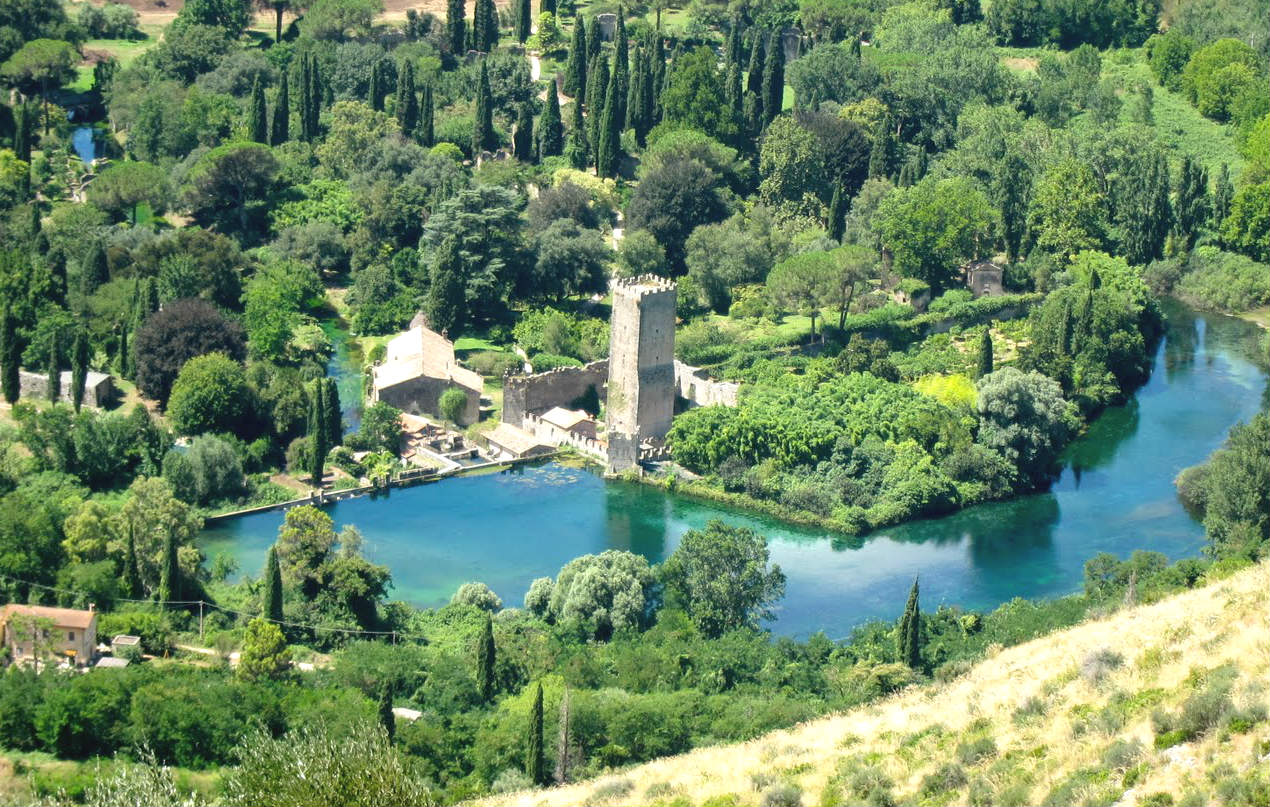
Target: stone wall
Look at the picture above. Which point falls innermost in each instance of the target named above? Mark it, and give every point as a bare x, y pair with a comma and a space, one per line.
534, 394
99, 388
641, 394
422, 396
550, 433
695, 386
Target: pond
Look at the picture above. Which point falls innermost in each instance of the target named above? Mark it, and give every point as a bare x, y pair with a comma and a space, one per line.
84, 141
1115, 495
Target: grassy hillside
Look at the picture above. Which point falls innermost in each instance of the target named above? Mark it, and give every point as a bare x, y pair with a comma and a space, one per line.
1154, 705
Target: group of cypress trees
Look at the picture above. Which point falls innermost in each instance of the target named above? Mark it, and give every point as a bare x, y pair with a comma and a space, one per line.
325, 426
11, 363
758, 100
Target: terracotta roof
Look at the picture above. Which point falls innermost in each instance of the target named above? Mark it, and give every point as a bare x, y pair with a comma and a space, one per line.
62, 617
514, 439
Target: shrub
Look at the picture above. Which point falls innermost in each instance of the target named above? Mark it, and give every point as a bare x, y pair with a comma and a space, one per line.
493, 362
478, 595
452, 404
1121, 754
1096, 666
542, 362
1031, 708
946, 777
611, 789
1158, 799
784, 794
974, 751
511, 780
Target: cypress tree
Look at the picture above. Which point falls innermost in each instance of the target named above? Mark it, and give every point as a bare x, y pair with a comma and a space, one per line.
319, 435
280, 133
547, 6
22, 132
122, 365
909, 633
633, 107
426, 132
658, 85
575, 72
620, 73
131, 571
257, 115
597, 87
732, 50
151, 300
485, 26
837, 213
732, 89
1161, 210
315, 97
386, 718
524, 20
444, 302
880, 154
754, 78
985, 354
564, 740
523, 139
594, 38
271, 598
1011, 191
96, 269
305, 101
55, 369
485, 652
609, 144
576, 149
550, 127
170, 571
773, 79
456, 27
483, 126
407, 106
334, 415
1223, 193
535, 763
1192, 200
10, 358
378, 89
79, 368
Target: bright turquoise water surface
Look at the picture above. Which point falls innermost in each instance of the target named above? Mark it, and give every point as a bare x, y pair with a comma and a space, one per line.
1115, 495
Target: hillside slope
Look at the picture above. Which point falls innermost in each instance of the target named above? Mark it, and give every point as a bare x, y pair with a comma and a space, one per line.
1168, 698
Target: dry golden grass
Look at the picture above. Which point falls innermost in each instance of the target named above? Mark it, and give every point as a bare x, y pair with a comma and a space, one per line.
1165, 648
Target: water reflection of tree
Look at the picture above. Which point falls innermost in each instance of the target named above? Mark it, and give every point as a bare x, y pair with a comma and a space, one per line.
1099, 445
1018, 536
1181, 339
636, 519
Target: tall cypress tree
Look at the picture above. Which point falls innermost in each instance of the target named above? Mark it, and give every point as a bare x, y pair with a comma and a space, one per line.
280, 133
1223, 193
985, 354
271, 597
95, 270
594, 38
754, 78
456, 27
257, 115
386, 718
523, 139
577, 148
319, 435
1011, 186
633, 108
550, 127
485, 26
315, 97
485, 656
620, 73
170, 570
658, 84
407, 104
306, 102
908, 635
1192, 200
55, 369
334, 415
547, 6
597, 89
773, 79
427, 133
444, 302
79, 368
131, 570
837, 213
881, 154
10, 357
483, 126
378, 86
732, 50
606, 151
23, 131
535, 761
575, 72
732, 90
524, 20
123, 363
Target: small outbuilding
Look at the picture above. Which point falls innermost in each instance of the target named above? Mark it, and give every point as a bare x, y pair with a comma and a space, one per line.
512, 442
418, 367
984, 278
576, 421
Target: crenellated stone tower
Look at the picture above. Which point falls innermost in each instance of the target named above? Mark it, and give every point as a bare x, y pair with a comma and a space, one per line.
641, 388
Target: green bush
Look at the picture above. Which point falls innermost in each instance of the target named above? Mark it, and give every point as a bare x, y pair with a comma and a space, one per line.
542, 362
973, 751
783, 794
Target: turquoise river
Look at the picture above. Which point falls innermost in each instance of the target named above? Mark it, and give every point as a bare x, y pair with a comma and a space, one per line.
1115, 495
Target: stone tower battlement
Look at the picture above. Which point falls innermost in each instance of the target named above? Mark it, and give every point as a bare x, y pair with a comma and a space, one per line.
641, 390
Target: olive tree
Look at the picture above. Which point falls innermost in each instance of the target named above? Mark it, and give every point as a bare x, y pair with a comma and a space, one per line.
1024, 418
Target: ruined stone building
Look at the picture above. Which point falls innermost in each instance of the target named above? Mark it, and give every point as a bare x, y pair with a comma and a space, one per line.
418, 367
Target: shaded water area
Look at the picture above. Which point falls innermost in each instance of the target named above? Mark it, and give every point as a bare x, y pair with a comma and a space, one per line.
1115, 495
345, 366
83, 140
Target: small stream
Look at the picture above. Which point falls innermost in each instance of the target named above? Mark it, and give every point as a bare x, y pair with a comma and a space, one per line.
345, 366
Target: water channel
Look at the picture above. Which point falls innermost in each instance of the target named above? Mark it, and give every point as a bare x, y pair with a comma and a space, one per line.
1115, 495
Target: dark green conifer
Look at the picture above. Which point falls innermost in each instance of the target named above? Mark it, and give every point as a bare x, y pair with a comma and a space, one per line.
881, 154
271, 598
123, 364
658, 84
575, 72
620, 72
426, 132
280, 133
319, 435
609, 145
456, 27
1192, 200
407, 106
334, 415
634, 109
483, 127
79, 368
837, 213
378, 89
485, 652
535, 761
773, 79
547, 6
170, 570
523, 137
485, 26
444, 302
754, 77
550, 127
524, 20
1223, 194
55, 369
386, 718
577, 148
10, 357
597, 91
131, 570
95, 269
257, 115
909, 633
732, 89
594, 39
985, 354
23, 131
